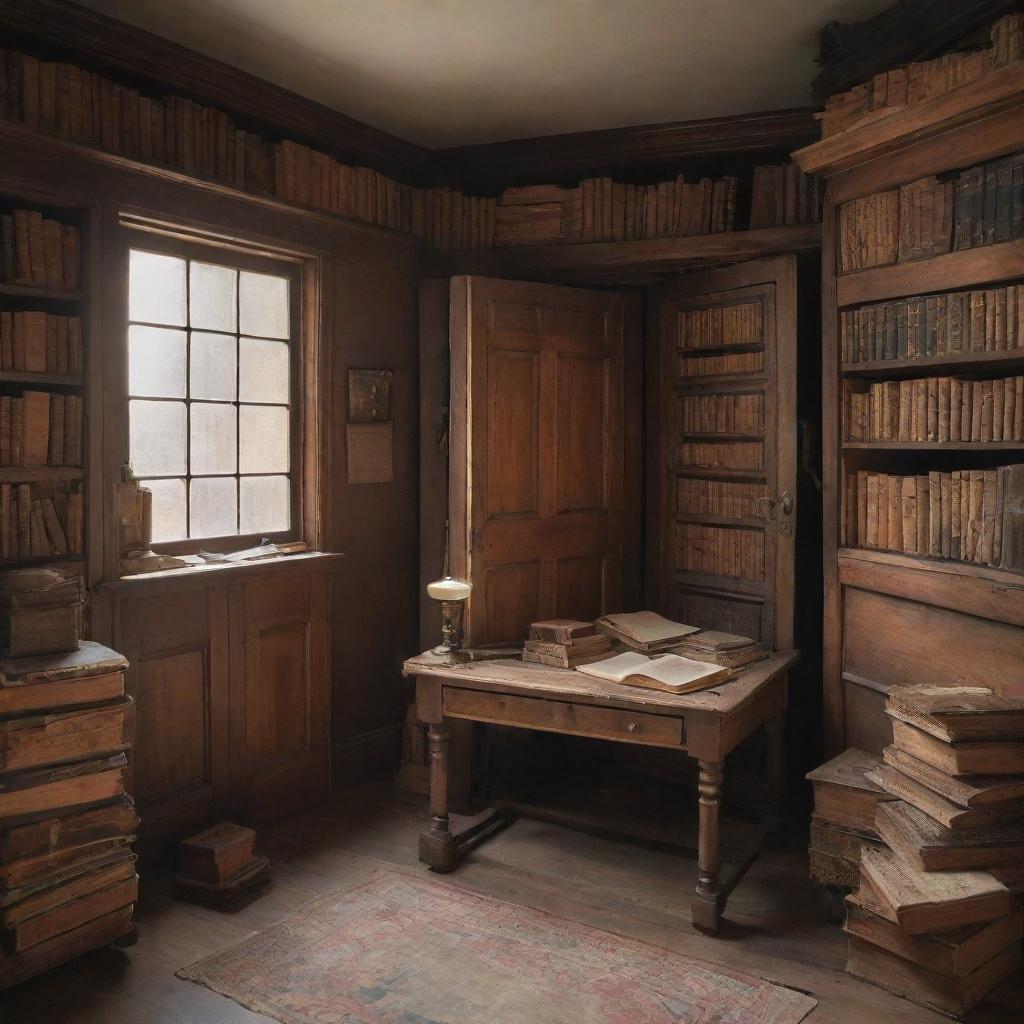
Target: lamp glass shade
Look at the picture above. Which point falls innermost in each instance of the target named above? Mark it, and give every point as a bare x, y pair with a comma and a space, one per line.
449, 589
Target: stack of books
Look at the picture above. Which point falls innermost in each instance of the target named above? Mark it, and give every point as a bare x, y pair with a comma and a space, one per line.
646, 632
565, 643
843, 824
219, 867
67, 871
934, 918
725, 649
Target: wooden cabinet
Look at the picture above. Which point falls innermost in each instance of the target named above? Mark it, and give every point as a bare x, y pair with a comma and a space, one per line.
929, 614
229, 674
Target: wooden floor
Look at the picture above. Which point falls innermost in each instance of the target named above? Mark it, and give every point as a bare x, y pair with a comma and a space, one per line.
772, 929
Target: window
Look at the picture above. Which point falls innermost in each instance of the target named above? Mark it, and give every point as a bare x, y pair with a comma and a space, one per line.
210, 374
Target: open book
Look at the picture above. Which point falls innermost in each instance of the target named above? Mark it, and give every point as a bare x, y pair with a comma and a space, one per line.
662, 672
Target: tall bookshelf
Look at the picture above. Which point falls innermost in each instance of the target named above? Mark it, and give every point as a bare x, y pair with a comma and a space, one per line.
928, 608
44, 326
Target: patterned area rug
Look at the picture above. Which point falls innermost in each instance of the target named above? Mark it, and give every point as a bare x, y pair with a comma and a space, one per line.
403, 950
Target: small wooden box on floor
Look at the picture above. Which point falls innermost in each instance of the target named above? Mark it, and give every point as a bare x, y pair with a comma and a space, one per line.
219, 867
67, 870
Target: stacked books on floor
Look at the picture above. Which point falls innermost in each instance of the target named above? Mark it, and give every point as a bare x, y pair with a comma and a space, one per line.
935, 917
220, 868
565, 643
67, 871
843, 823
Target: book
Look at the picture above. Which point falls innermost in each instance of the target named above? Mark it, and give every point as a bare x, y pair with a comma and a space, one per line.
719, 648
969, 791
844, 795
941, 810
929, 846
644, 631
667, 672
71, 831
56, 737
927, 901
562, 655
952, 996
980, 757
44, 789
562, 631
953, 953
953, 713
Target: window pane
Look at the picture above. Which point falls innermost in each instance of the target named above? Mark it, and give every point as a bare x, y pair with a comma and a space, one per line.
211, 297
168, 509
212, 366
213, 507
156, 362
156, 288
262, 371
262, 305
212, 433
263, 439
157, 431
264, 504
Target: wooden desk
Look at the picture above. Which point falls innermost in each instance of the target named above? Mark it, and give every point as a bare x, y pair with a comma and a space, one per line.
706, 725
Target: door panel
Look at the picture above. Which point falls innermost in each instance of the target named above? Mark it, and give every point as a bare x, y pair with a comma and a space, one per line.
724, 406
537, 413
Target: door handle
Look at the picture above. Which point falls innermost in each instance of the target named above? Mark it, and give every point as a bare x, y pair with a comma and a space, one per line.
765, 506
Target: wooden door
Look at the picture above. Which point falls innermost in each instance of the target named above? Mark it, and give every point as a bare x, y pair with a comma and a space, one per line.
536, 478
722, 445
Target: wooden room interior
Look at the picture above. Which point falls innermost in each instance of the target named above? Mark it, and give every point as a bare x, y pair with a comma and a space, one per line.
387, 390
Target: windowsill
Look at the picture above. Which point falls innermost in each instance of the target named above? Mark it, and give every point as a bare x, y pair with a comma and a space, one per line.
223, 574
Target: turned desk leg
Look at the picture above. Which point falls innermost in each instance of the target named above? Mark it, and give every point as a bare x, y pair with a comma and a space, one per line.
775, 752
438, 847
706, 907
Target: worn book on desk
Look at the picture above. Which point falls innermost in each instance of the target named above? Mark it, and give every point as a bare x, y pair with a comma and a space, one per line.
644, 631
667, 672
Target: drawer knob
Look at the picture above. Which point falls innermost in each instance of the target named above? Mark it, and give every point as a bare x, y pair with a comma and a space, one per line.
631, 727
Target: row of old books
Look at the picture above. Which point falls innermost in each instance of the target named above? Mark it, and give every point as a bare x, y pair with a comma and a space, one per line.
38, 342
923, 80
40, 428
724, 365
974, 515
936, 915
918, 220
67, 870
453, 222
937, 409
38, 251
989, 203
783, 194
734, 499
740, 323
720, 551
603, 210
41, 519
722, 455
981, 320
721, 414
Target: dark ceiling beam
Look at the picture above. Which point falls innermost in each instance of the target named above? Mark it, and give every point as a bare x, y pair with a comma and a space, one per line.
116, 46
909, 30
571, 157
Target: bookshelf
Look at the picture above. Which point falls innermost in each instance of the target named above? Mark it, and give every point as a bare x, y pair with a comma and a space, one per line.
43, 318
928, 607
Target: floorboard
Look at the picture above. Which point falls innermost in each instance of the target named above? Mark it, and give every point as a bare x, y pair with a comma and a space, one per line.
772, 928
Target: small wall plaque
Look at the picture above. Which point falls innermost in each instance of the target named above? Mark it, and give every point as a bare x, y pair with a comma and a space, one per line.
369, 396
370, 453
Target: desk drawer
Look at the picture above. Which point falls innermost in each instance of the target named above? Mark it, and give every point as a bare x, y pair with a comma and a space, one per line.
559, 716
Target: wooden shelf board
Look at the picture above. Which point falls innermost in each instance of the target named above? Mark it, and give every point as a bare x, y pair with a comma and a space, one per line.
30, 291
727, 584
26, 474
918, 563
952, 270
894, 129
716, 520
29, 377
934, 446
721, 350
943, 361
19, 563
716, 435
721, 473
709, 383
661, 255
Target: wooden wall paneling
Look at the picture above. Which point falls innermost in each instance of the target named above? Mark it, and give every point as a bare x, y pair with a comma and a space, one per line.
633, 369
177, 649
111, 44
281, 741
